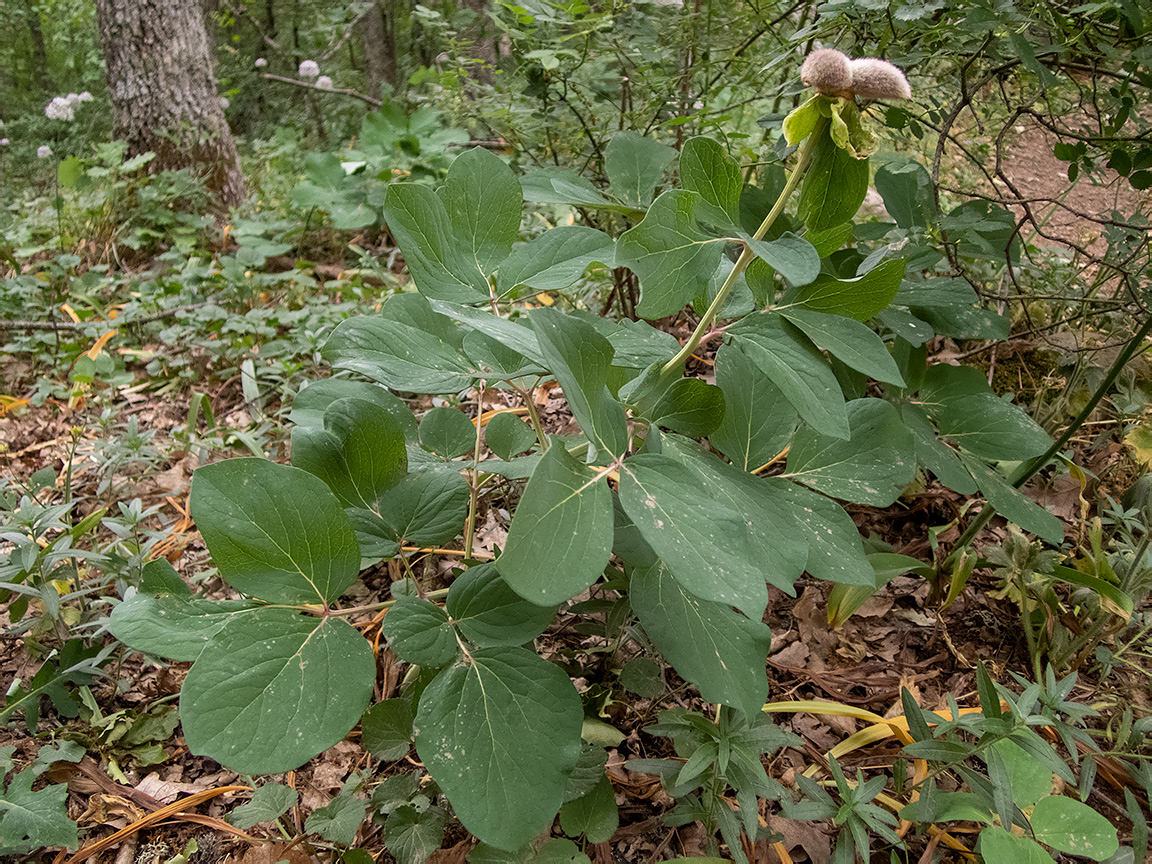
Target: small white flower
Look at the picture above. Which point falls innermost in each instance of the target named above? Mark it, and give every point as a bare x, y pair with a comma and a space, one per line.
224, 103
43, 151
308, 69
73, 99
260, 63
59, 109
3, 142
85, 96
324, 82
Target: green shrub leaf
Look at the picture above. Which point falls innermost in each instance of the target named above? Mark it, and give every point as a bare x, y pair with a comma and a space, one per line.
176, 628
275, 532
1074, 827
270, 691
849, 341
483, 199
872, 467
706, 169
499, 732
797, 368
440, 266
593, 815
386, 729
556, 259
835, 185
689, 406
634, 165
489, 613
860, 298
581, 358
398, 356
758, 421
447, 432
560, 539
506, 435
708, 644
671, 255
419, 632
359, 453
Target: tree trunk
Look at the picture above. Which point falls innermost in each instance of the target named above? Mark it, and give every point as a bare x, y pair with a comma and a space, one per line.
164, 99
40, 72
379, 43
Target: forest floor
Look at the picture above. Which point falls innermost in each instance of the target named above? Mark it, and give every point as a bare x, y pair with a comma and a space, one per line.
896, 639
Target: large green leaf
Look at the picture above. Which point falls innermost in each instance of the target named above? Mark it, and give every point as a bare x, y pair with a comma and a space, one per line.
386, 729
33, 821
859, 298
835, 552
359, 453
270, 691
489, 613
275, 532
634, 165
705, 168
176, 628
872, 467
309, 405
556, 259
593, 815
1074, 827
439, 265
792, 257
782, 551
713, 647
560, 539
447, 432
672, 256
419, 632
758, 421
796, 366
996, 844
689, 406
499, 732
398, 356
937, 456
426, 508
518, 337
712, 533
483, 200
1013, 504
906, 188
849, 341
580, 358
835, 185
990, 427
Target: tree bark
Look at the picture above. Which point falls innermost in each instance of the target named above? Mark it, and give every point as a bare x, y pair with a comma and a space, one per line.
40, 72
378, 39
160, 77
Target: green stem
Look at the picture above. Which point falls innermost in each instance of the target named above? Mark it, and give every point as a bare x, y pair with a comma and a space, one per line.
677, 362
1026, 622
1029, 469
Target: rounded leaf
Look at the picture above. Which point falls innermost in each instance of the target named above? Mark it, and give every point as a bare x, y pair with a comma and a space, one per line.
273, 689
275, 532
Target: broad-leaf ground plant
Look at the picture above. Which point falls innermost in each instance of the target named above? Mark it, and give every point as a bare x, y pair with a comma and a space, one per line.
681, 497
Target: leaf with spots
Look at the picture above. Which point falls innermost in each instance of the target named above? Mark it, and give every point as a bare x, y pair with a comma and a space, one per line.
872, 467
273, 689
499, 732
717, 649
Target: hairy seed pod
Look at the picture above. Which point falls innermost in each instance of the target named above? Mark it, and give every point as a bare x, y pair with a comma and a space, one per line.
826, 71
878, 79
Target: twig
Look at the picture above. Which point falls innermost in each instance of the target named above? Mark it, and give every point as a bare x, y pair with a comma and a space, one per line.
112, 322
355, 94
